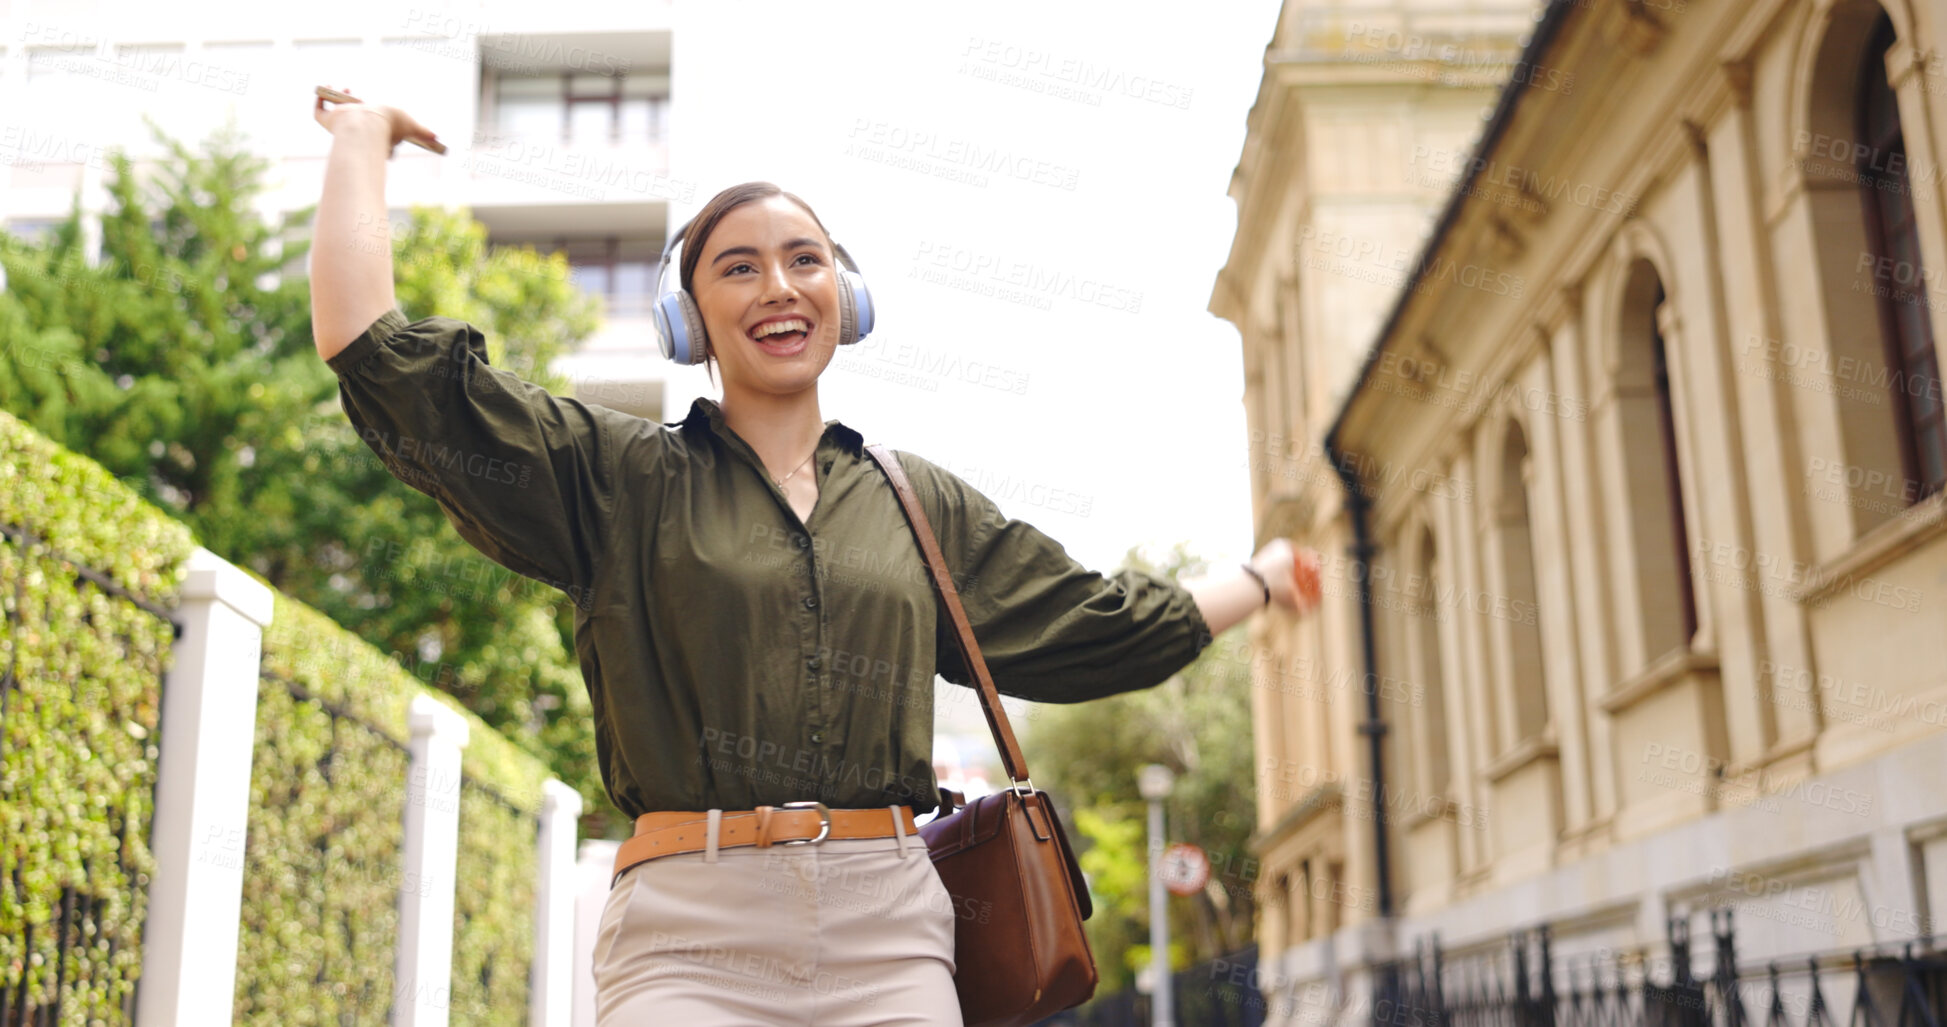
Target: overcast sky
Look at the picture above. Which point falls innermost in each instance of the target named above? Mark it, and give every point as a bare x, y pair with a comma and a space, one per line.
1037, 196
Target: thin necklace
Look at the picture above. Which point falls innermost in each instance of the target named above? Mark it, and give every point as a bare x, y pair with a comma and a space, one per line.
795, 470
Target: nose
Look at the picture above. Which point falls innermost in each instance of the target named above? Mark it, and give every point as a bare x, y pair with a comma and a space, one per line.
777, 285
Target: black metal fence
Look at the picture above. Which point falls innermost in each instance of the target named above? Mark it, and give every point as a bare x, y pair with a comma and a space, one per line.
1525, 985
1222, 992
73, 946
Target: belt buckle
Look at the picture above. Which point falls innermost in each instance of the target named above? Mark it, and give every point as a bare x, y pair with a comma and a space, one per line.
824, 822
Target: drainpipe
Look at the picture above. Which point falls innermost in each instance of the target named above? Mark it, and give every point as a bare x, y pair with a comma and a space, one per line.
1374, 728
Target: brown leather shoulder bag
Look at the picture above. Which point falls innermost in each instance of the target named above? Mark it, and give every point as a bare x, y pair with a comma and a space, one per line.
1020, 952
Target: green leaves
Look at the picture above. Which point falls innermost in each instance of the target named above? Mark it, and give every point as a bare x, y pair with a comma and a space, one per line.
1198, 723
183, 362
80, 683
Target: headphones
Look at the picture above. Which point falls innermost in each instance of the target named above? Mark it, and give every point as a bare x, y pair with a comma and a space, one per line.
679, 324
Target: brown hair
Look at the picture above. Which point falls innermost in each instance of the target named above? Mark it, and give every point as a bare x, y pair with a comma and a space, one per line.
705, 222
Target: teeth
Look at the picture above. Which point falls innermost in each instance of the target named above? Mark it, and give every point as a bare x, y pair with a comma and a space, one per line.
777, 327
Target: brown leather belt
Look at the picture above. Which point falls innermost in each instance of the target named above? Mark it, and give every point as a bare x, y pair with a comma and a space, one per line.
666, 833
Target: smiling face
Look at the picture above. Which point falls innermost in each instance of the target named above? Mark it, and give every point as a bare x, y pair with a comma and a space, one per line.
767, 286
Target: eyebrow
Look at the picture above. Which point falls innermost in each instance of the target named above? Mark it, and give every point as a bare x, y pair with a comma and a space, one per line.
751, 251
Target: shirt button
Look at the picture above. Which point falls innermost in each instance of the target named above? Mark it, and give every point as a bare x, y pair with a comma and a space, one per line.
802, 541
810, 602
817, 736
811, 663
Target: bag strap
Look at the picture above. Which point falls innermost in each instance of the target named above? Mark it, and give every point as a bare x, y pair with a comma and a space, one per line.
990, 699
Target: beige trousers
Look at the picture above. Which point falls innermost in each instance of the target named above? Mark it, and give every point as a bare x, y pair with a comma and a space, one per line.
843, 932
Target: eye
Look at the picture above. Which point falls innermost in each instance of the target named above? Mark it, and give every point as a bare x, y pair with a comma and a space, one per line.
813, 257
732, 269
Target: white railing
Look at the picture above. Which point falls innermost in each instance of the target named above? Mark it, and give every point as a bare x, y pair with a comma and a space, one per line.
208, 737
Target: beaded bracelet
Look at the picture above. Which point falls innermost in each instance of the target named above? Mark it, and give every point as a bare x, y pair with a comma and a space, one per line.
1253, 572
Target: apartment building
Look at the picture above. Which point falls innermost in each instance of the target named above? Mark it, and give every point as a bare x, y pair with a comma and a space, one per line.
557, 121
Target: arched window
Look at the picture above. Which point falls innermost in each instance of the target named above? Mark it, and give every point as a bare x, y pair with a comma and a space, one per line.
1666, 423
1516, 614
1658, 557
1912, 363
1430, 721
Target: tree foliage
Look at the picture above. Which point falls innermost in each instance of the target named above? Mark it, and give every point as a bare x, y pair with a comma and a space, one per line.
182, 360
1197, 723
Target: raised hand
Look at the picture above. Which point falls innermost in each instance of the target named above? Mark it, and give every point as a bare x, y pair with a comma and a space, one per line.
401, 127
1292, 574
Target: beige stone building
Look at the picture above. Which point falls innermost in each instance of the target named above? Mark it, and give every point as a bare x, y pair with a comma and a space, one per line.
1629, 395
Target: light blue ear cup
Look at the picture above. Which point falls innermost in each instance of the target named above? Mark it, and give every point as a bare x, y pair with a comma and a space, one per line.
679, 324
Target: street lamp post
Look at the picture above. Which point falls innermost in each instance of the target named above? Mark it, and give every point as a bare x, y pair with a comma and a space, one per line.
1155, 782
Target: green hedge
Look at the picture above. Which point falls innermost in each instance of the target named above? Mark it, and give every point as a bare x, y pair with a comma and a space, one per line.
493, 943
326, 825
80, 686
78, 716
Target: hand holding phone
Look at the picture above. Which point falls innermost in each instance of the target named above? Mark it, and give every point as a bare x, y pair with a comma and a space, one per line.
403, 126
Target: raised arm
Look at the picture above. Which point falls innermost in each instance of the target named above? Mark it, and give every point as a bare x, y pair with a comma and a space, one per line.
351, 246
530, 479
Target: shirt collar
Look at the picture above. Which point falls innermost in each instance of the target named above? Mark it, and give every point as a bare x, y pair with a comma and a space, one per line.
706, 413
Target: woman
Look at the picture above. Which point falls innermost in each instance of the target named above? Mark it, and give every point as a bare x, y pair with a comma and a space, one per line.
755, 624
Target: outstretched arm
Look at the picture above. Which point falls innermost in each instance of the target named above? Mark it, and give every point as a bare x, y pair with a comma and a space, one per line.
527, 478
1226, 597
351, 245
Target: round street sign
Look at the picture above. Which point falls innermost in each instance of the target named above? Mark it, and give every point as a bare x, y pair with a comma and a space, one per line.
1185, 869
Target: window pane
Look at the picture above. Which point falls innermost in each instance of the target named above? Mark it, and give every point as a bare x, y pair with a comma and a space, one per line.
591, 124
634, 288
530, 118
637, 124
590, 277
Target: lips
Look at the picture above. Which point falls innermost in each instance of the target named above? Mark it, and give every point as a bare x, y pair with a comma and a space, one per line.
781, 329
781, 335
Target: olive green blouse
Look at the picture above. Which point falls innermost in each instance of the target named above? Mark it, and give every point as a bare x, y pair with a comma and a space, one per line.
735, 655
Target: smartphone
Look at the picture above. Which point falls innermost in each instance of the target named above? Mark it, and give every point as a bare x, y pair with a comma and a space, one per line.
335, 96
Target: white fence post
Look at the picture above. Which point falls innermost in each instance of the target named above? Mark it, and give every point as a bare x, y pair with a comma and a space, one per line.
551, 989
423, 974
592, 874
209, 730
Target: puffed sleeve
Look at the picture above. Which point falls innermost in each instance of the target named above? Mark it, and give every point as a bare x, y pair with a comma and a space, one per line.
525, 477
1050, 629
